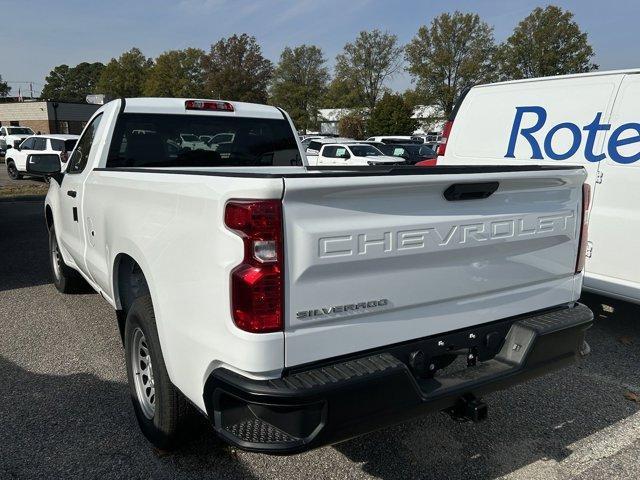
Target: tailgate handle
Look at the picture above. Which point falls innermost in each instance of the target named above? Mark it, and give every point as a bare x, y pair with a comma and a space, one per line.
470, 191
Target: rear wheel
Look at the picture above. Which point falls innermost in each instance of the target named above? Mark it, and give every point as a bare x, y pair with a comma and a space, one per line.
12, 171
65, 278
161, 410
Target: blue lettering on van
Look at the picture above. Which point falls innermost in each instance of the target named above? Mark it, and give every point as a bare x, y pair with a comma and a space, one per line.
591, 129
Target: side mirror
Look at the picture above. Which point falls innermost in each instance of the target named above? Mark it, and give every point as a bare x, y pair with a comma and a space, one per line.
44, 164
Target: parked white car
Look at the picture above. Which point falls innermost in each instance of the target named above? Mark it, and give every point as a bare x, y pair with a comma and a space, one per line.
298, 307
16, 158
589, 120
314, 146
352, 154
12, 136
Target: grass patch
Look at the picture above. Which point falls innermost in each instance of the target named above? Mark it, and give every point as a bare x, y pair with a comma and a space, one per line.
19, 190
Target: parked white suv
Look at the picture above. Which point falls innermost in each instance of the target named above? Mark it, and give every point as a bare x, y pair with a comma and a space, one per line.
352, 154
16, 158
297, 307
12, 136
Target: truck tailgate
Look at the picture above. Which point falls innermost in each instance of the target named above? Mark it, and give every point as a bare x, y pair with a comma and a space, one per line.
376, 260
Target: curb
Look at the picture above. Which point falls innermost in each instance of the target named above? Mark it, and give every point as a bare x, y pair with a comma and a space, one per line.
22, 198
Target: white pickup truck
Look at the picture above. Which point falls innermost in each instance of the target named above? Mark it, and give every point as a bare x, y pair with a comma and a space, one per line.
300, 306
11, 137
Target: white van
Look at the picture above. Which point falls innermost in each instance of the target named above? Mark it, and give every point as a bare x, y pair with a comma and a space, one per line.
591, 120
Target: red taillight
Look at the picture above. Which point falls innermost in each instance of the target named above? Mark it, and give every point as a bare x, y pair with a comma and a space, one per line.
256, 284
446, 131
584, 229
209, 105
427, 162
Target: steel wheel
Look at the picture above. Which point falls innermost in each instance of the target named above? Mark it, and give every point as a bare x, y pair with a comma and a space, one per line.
55, 260
143, 373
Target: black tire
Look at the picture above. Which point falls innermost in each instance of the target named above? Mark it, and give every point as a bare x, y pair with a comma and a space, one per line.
165, 425
65, 278
12, 171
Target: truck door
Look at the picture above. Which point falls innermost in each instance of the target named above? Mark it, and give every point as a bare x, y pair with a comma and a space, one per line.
71, 235
326, 155
614, 223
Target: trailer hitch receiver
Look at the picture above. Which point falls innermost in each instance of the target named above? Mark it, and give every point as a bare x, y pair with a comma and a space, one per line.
468, 407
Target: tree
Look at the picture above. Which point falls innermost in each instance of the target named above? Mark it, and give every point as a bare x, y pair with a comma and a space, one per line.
352, 125
342, 93
126, 75
547, 42
176, 73
299, 82
453, 53
4, 88
392, 116
72, 83
367, 63
236, 70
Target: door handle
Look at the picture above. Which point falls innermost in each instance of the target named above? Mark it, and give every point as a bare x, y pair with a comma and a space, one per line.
72, 193
470, 191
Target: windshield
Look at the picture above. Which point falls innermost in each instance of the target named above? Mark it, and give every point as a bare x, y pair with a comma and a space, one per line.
253, 142
19, 131
365, 151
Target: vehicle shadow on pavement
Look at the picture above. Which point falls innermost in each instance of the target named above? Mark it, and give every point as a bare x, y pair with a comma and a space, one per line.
537, 421
79, 426
24, 246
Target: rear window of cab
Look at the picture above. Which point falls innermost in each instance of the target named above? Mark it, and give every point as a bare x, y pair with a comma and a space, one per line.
160, 140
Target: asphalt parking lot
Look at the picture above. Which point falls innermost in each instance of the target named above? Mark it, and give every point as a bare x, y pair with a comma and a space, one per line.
65, 411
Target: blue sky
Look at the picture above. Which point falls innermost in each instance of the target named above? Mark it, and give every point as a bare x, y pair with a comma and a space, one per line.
36, 35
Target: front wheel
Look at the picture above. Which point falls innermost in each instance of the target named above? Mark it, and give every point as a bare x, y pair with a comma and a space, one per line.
12, 171
65, 278
160, 409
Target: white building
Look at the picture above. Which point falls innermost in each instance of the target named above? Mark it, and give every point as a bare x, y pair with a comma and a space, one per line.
430, 119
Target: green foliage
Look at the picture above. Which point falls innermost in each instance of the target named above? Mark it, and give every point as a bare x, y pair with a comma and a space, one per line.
391, 116
299, 82
547, 42
451, 54
236, 70
177, 73
352, 125
72, 83
367, 63
341, 93
4, 88
126, 75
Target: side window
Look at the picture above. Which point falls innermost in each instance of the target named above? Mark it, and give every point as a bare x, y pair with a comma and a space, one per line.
40, 144
314, 145
341, 152
28, 144
329, 151
80, 156
57, 145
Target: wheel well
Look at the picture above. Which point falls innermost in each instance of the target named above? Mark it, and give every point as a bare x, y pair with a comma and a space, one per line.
130, 284
48, 214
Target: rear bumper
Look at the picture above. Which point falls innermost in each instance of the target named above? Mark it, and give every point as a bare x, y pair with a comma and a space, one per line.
331, 402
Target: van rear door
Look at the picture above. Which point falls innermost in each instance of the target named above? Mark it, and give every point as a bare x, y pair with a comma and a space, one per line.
374, 260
